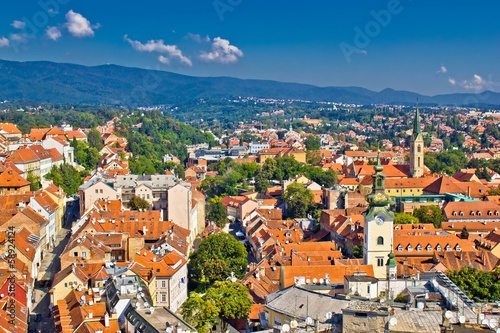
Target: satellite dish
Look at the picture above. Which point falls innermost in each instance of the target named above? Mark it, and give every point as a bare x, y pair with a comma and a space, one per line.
315, 280
327, 276
308, 281
327, 281
461, 319
328, 315
493, 323
309, 321
293, 324
321, 281
448, 314
393, 321
285, 328
481, 316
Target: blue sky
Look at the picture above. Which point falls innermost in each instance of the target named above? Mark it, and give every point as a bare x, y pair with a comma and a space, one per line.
430, 47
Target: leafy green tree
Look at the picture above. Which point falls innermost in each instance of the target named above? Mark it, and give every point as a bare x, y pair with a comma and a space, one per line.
429, 214
179, 171
34, 180
494, 191
465, 233
94, 139
136, 203
298, 199
225, 300
92, 158
217, 257
217, 212
67, 177
404, 218
269, 168
261, 183
313, 143
477, 284
357, 251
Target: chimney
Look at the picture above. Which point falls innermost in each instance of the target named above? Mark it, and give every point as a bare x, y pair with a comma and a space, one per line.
263, 271
106, 320
91, 315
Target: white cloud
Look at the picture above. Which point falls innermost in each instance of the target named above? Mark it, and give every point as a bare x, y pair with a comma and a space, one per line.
222, 52
170, 51
477, 83
18, 24
4, 42
442, 69
20, 37
53, 33
452, 81
363, 52
197, 38
78, 26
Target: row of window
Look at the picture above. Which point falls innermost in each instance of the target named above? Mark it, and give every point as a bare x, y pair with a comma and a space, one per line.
478, 213
429, 248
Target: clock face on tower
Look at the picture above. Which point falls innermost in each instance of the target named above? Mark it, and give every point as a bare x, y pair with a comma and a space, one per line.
379, 220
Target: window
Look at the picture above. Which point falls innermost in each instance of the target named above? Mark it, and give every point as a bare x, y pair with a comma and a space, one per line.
472, 213
380, 240
461, 213
490, 213
419, 161
458, 248
496, 213
478, 213
454, 213
410, 248
400, 248
75, 254
429, 248
148, 196
163, 297
100, 191
84, 254
368, 289
439, 248
380, 262
448, 247
163, 283
419, 149
419, 248
96, 191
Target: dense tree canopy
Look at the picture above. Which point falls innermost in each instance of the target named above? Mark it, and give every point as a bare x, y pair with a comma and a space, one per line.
299, 200
217, 212
136, 203
217, 257
477, 284
404, 218
225, 300
67, 177
429, 214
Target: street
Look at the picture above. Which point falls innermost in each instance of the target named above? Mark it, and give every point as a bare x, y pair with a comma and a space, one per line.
49, 267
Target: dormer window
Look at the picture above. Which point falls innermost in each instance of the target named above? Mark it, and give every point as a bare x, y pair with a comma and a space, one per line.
410, 248
439, 248
461, 213
458, 247
448, 247
496, 213
478, 213
490, 213
454, 213
400, 248
472, 213
419, 248
429, 247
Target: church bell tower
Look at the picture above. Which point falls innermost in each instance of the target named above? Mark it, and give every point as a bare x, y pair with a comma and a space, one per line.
377, 244
417, 149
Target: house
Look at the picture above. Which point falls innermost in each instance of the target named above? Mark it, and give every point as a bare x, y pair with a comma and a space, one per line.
237, 207
26, 160
10, 130
67, 280
62, 146
93, 191
12, 183
171, 277
461, 211
44, 205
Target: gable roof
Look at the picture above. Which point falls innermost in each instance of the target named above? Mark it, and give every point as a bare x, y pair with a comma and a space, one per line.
10, 178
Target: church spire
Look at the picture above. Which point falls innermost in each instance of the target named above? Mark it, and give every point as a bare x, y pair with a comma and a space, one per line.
416, 123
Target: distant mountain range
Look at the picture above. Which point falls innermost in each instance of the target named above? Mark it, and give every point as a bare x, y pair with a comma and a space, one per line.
117, 85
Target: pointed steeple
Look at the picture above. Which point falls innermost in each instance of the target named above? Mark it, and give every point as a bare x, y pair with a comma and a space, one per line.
291, 128
416, 123
378, 198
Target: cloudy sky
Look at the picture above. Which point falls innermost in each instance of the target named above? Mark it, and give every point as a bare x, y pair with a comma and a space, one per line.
430, 47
